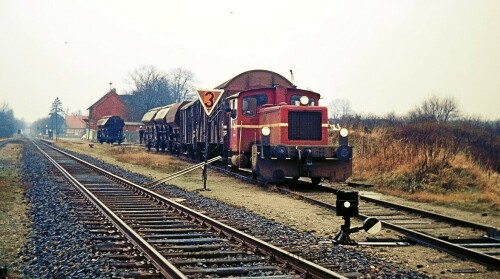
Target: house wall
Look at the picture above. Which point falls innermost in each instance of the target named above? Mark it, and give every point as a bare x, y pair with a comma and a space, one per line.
111, 104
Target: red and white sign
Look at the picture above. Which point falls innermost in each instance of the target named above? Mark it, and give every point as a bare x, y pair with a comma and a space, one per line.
209, 99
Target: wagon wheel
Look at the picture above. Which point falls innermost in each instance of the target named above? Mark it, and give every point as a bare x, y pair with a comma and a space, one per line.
315, 180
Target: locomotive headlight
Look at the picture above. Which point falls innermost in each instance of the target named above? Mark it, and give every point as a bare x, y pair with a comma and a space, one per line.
344, 132
266, 131
304, 100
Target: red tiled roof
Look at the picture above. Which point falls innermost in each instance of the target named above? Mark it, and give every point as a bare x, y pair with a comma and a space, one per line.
76, 121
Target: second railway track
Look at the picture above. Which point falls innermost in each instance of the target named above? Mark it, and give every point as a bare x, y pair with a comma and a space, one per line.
464, 239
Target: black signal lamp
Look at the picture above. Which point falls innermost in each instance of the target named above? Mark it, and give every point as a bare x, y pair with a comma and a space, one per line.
347, 207
347, 203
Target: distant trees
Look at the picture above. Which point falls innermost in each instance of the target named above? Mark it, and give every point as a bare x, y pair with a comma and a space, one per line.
339, 108
182, 84
154, 88
8, 122
435, 109
42, 125
432, 110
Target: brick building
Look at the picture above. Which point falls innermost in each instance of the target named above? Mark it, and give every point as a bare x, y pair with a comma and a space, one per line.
109, 104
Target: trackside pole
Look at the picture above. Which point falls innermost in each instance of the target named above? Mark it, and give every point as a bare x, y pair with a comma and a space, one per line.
209, 100
207, 132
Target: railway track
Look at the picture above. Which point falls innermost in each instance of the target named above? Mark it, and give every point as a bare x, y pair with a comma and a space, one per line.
464, 239
176, 241
467, 240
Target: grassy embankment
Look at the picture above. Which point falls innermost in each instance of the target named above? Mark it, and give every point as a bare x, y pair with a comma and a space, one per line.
439, 163
14, 223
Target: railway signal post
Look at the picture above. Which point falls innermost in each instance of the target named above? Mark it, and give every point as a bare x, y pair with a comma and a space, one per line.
348, 206
209, 100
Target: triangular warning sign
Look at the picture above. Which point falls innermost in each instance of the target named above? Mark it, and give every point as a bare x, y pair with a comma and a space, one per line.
209, 99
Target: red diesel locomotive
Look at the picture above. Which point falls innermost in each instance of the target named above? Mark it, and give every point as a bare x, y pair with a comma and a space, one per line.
284, 133
276, 129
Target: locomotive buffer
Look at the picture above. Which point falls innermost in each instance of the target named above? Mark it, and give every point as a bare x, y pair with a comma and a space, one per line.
209, 100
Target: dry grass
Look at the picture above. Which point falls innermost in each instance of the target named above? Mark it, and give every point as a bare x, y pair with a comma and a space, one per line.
146, 159
427, 163
14, 223
129, 157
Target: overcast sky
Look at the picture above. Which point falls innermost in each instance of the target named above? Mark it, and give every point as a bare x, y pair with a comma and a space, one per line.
383, 56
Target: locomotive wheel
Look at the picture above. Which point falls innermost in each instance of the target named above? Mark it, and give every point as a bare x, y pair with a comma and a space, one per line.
315, 180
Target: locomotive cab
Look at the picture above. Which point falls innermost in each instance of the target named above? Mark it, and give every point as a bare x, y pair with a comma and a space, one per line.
244, 124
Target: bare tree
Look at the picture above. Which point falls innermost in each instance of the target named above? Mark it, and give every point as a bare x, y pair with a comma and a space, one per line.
435, 109
7, 121
339, 108
151, 89
75, 113
182, 84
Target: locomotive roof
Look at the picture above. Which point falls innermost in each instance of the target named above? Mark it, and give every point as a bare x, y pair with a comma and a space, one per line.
237, 94
254, 79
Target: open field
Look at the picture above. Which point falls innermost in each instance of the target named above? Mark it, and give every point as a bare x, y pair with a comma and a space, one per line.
444, 165
14, 223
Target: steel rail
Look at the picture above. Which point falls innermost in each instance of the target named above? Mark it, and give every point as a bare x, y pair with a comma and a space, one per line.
457, 221
446, 218
166, 268
418, 237
307, 268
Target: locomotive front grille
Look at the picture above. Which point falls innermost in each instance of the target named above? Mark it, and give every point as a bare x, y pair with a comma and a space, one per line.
304, 125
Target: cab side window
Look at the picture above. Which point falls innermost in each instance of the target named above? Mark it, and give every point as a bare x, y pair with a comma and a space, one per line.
251, 103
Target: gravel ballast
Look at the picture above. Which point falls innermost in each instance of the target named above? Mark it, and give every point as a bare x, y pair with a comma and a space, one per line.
342, 259
57, 246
